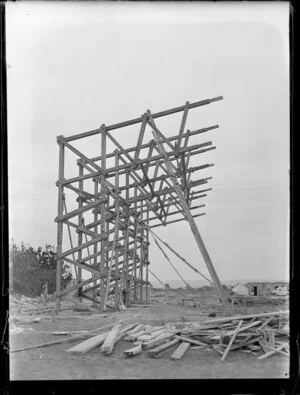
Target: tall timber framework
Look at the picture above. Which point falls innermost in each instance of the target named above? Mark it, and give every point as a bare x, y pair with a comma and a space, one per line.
119, 197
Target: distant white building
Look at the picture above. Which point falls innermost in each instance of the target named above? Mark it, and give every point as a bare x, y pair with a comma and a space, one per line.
240, 289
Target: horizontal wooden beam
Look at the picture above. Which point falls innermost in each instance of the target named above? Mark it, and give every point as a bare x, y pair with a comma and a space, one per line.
160, 162
177, 220
179, 211
78, 211
170, 154
169, 190
82, 246
79, 285
140, 119
164, 177
89, 268
151, 142
157, 159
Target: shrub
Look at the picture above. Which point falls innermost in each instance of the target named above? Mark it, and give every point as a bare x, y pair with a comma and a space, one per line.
31, 269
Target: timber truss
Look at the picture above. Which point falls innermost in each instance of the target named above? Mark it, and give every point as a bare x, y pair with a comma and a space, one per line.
119, 197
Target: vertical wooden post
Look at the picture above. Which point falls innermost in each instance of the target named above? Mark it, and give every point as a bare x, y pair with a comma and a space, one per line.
80, 223
96, 244
60, 209
192, 223
117, 274
125, 260
127, 284
102, 214
142, 258
113, 255
135, 247
147, 259
107, 249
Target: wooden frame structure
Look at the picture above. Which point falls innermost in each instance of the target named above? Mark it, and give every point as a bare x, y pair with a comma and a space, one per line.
118, 204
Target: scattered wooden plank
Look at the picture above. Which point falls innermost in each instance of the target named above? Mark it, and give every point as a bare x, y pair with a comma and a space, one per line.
265, 323
163, 337
133, 337
64, 333
242, 329
245, 317
197, 347
108, 345
155, 352
60, 333
88, 345
137, 343
279, 342
157, 333
221, 343
157, 328
128, 328
245, 343
277, 350
76, 337
272, 352
191, 341
231, 341
123, 332
144, 338
135, 330
268, 339
134, 350
180, 351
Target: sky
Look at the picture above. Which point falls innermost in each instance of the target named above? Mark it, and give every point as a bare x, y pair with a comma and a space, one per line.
74, 66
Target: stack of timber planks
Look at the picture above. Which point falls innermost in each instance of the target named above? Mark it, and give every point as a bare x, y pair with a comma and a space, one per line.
263, 335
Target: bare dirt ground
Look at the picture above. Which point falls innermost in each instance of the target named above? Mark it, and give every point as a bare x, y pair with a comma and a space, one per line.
54, 363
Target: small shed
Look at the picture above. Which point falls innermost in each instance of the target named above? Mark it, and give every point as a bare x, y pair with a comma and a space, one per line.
265, 288
240, 289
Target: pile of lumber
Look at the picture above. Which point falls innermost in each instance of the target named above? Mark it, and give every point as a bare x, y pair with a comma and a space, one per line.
267, 333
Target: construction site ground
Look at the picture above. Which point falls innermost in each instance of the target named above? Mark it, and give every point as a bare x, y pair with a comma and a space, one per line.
54, 363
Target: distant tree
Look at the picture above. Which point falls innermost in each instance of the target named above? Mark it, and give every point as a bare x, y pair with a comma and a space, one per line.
30, 269
167, 286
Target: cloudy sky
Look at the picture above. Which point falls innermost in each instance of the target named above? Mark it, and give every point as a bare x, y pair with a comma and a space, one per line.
75, 66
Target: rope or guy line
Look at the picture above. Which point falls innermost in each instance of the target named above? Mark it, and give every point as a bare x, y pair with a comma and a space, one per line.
180, 257
168, 259
157, 278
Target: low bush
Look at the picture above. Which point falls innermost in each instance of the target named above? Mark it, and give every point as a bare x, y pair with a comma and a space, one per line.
30, 269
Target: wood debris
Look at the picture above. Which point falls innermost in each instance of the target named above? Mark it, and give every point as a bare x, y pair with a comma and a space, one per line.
246, 333
111, 339
263, 334
180, 350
